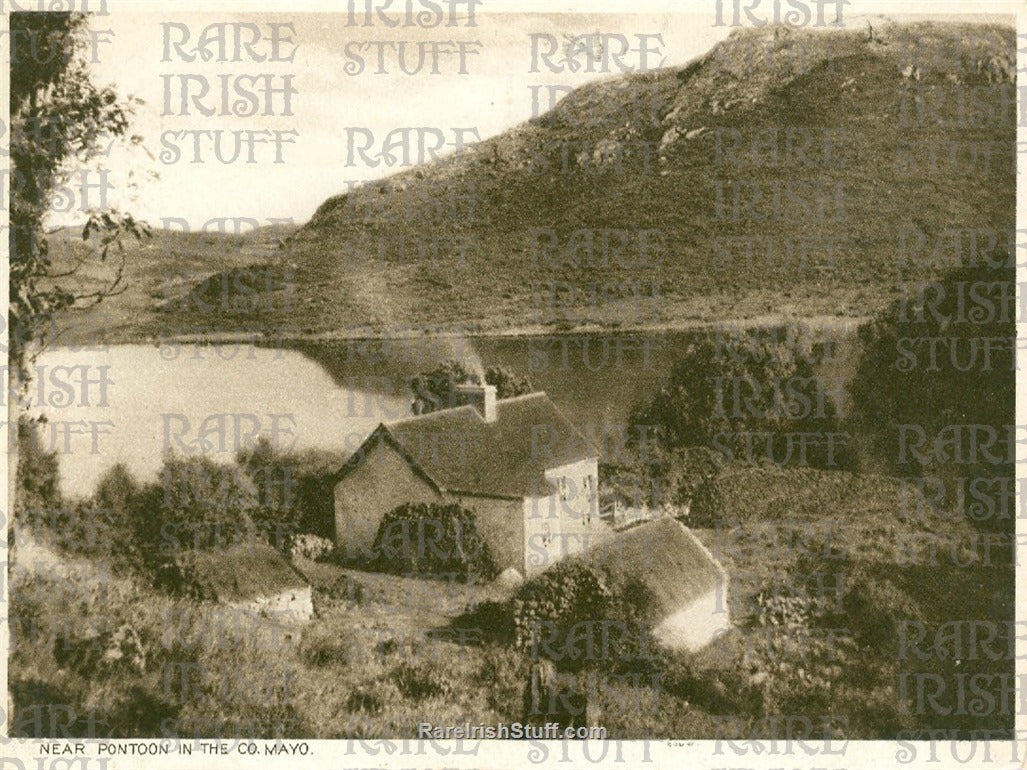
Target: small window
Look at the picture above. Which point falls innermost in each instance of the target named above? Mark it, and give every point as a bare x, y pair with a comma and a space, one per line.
563, 488
590, 487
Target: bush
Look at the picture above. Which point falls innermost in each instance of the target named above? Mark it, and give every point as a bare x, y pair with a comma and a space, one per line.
366, 699
731, 383
554, 617
107, 524
420, 681
198, 505
436, 389
898, 383
343, 590
176, 574
320, 647
37, 480
666, 478
295, 489
492, 620
201, 504
434, 539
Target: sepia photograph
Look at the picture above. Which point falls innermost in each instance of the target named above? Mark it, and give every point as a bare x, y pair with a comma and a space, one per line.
441, 383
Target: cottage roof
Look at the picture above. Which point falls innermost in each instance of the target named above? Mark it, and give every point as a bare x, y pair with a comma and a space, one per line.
246, 571
667, 558
460, 452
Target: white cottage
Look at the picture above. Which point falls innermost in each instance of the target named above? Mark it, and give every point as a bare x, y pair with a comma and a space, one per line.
530, 477
687, 585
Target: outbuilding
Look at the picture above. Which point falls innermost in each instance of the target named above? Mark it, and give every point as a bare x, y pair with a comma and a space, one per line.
686, 585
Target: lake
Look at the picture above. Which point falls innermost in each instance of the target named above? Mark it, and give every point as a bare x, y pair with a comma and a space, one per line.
130, 403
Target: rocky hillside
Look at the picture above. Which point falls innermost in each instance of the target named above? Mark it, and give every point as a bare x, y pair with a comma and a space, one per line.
784, 173
780, 172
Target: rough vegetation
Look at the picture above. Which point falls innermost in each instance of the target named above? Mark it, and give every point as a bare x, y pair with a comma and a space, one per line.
434, 539
668, 152
728, 388
436, 389
935, 393
152, 530
556, 615
830, 569
832, 574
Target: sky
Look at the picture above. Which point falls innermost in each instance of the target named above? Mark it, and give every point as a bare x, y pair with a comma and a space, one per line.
333, 109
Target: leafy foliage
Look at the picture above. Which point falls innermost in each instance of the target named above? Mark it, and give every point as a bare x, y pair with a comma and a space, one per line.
59, 121
37, 481
294, 490
558, 615
736, 396
202, 504
433, 538
436, 389
665, 479
899, 382
508, 382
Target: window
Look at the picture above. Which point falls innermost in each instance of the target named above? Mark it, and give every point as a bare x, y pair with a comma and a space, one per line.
590, 487
563, 485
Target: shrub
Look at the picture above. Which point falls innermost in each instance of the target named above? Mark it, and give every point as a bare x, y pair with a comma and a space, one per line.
899, 383
558, 615
201, 504
344, 590
320, 647
492, 620
435, 539
107, 524
366, 699
508, 382
436, 389
731, 383
37, 480
176, 574
420, 681
672, 477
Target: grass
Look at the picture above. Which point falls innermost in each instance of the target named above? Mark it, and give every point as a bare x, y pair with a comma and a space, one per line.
386, 652
838, 538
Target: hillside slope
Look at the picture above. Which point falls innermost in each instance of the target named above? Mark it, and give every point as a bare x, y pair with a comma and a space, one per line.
779, 174
833, 132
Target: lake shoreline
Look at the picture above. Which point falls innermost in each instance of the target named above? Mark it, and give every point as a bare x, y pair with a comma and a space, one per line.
474, 331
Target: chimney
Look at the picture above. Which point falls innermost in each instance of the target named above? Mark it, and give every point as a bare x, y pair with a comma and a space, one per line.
481, 397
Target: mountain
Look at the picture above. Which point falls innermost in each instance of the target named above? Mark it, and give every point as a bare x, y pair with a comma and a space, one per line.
784, 173
820, 142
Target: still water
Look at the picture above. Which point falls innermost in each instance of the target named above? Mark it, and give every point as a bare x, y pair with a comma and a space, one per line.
131, 403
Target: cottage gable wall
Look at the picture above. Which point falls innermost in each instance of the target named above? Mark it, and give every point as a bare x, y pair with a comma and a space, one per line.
379, 482
694, 626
